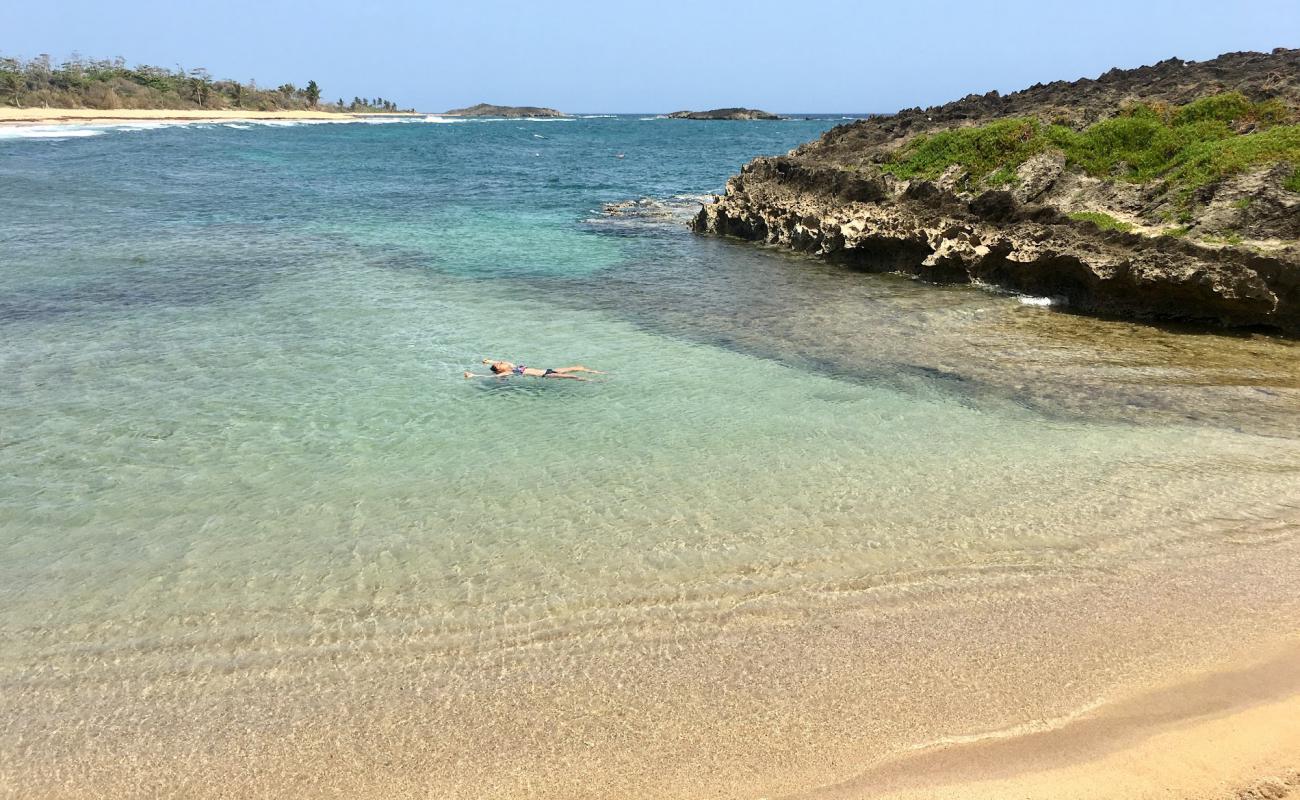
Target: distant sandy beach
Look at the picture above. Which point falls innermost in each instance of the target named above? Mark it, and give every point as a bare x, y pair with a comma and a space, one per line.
94, 116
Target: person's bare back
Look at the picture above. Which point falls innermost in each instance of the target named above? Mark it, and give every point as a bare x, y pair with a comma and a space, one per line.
506, 369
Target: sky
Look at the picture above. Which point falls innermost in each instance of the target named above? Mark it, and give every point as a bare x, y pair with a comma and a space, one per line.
652, 55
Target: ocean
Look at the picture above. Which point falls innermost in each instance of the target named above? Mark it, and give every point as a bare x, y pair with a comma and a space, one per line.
258, 535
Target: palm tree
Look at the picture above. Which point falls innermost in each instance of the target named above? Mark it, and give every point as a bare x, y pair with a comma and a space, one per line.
313, 93
201, 90
13, 84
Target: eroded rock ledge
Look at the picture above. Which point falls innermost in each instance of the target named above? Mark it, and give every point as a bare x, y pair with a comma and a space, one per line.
1022, 238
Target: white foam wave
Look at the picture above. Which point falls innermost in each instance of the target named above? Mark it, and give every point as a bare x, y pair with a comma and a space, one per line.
56, 132
130, 127
1043, 302
48, 132
294, 123
1035, 301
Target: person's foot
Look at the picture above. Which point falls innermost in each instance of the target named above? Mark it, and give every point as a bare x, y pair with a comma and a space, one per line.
468, 374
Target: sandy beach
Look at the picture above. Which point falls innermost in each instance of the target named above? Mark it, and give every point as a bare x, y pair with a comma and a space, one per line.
1228, 734
996, 694
95, 116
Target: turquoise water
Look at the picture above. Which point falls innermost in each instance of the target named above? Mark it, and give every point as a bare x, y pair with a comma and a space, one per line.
235, 439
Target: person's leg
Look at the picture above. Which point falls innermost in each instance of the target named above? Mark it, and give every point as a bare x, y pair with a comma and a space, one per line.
557, 374
578, 368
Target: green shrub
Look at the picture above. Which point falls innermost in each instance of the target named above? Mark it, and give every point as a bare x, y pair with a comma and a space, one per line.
1187, 147
1002, 145
1226, 107
1293, 183
1272, 112
1104, 221
1203, 162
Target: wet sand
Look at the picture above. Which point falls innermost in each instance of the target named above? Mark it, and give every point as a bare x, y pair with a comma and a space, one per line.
1229, 734
1147, 683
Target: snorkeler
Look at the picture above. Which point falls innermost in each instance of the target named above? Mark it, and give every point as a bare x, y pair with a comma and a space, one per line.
505, 369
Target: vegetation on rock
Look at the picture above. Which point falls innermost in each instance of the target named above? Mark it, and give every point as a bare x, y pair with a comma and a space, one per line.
111, 84
1187, 147
1104, 221
508, 112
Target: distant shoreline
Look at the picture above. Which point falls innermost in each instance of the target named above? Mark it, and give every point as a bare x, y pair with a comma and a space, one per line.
91, 116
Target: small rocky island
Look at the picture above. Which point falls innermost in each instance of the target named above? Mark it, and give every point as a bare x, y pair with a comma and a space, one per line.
508, 112
725, 113
1167, 192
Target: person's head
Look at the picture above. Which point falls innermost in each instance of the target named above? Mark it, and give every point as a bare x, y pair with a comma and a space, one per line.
499, 367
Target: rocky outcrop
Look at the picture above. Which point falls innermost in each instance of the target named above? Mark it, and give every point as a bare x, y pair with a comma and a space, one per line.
725, 113
508, 112
1244, 270
1259, 76
923, 229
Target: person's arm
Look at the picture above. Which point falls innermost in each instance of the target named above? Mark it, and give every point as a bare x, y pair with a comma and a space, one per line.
469, 374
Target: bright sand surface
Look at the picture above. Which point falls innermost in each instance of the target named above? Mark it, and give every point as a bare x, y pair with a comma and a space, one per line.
90, 116
803, 701
1220, 735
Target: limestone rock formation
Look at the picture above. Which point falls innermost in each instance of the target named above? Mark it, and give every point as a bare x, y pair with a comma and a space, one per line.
1099, 244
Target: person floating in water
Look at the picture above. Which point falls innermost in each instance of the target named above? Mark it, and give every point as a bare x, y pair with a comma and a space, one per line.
505, 369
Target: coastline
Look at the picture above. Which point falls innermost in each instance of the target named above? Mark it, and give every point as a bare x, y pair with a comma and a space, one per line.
870, 695
95, 116
1232, 733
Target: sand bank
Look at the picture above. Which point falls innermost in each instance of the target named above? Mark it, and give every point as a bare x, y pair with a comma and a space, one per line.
1231, 734
1075, 691
93, 116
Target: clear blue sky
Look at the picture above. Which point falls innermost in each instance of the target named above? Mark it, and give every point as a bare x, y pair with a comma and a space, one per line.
652, 55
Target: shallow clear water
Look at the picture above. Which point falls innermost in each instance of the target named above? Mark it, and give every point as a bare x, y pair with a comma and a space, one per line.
235, 439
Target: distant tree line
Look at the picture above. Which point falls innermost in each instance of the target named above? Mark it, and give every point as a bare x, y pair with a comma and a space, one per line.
111, 84
363, 104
